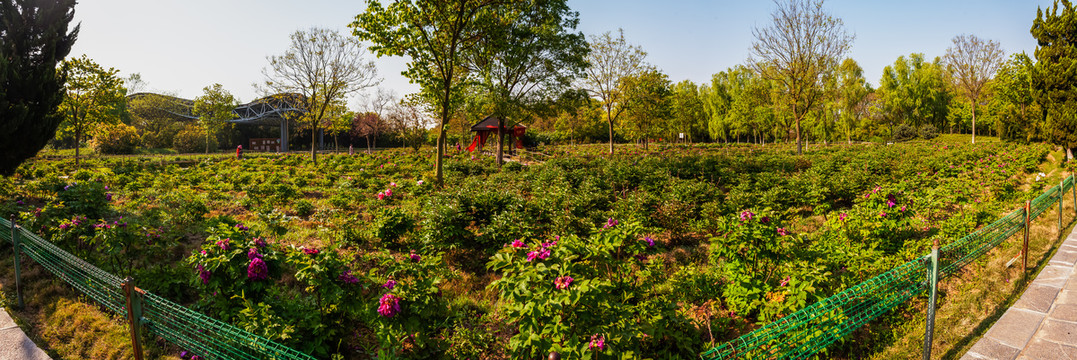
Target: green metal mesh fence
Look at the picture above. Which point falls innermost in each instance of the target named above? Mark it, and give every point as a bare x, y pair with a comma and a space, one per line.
813, 328
200, 334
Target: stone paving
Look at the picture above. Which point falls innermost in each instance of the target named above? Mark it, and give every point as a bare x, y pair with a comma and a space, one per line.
14, 345
1042, 324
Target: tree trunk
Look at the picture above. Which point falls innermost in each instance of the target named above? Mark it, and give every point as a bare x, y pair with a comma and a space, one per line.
974, 121
367, 144
314, 143
800, 145
78, 137
610, 122
500, 140
1069, 153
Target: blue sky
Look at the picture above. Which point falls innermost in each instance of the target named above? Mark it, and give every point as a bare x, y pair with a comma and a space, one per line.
182, 46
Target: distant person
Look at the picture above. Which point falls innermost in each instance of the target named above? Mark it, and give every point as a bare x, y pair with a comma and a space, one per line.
239, 152
351, 151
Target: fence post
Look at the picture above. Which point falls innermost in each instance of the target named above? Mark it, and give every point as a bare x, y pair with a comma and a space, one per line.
134, 315
1024, 248
1060, 193
1073, 188
933, 279
17, 249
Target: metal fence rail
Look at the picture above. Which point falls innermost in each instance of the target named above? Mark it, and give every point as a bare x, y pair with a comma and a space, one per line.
200, 334
815, 327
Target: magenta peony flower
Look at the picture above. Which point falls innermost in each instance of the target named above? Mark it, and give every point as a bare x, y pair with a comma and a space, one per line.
389, 305
532, 255
241, 227
746, 215
388, 192
259, 242
650, 242
610, 223
518, 244
784, 281
389, 284
257, 270
347, 277
597, 342
543, 254
782, 232
253, 254
890, 203
204, 274
381, 196
765, 220
108, 197
310, 251
415, 257
224, 243
562, 282
842, 216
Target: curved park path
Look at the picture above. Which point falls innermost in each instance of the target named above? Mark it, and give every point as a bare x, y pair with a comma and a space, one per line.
14, 345
1042, 324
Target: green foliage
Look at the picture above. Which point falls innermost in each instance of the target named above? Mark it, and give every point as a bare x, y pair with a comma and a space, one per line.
913, 91
213, 108
193, 139
35, 39
928, 132
904, 132
566, 293
645, 99
95, 95
115, 139
1054, 77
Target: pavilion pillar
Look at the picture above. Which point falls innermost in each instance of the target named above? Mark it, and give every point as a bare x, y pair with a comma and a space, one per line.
283, 135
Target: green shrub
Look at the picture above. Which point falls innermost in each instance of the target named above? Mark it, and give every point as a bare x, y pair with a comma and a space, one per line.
192, 139
115, 139
303, 208
904, 133
928, 132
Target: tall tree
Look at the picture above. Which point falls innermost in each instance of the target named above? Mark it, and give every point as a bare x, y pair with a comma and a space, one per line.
972, 62
34, 38
645, 102
94, 95
530, 55
611, 58
1014, 101
1055, 77
716, 101
435, 35
852, 90
688, 115
914, 92
379, 104
803, 45
324, 66
214, 109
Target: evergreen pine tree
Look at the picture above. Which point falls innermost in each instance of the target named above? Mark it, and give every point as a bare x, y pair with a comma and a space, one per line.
34, 37
1054, 78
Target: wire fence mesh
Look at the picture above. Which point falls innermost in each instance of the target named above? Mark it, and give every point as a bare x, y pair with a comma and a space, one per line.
199, 334
812, 329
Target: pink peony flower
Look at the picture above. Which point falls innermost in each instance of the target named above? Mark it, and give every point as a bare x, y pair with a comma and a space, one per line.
782, 232
253, 254
389, 284
518, 244
784, 281
389, 305
224, 243
597, 342
650, 242
562, 282
310, 251
842, 216
415, 257
746, 215
532, 255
